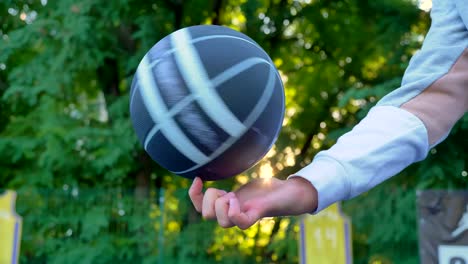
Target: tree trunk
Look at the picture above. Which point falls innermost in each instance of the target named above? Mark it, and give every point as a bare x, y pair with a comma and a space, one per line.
217, 8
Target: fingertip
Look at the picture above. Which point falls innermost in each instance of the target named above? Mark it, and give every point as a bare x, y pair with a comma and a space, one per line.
197, 180
197, 185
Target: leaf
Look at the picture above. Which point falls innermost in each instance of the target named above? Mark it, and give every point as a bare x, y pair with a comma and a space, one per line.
93, 222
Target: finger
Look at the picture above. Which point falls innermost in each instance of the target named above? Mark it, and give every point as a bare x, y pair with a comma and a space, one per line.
241, 219
208, 204
221, 210
196, 194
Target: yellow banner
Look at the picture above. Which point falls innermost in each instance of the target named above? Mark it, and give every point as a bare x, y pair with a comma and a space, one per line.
326, 238
10, 229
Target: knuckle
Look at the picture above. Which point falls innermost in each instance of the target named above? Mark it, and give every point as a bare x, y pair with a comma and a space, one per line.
208, 215
225, 224
210, 189
191, 191
220, 202
191, 195
244, 226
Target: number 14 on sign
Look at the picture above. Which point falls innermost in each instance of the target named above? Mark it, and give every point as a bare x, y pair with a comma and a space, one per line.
326, 238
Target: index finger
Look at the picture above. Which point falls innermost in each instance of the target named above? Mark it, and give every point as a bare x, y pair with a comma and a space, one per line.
196, 194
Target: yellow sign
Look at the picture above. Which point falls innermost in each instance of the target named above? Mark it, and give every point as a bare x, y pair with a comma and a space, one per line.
10, 229
326, 238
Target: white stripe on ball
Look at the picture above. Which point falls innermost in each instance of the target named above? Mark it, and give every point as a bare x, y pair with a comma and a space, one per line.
196, 40
236, 69
217, 80
157, 110
198, 82
251, 118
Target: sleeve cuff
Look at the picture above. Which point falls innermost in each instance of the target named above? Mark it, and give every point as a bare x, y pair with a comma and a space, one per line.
380, 146
328, 177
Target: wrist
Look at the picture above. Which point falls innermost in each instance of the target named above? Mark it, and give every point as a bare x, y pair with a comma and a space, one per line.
304, 193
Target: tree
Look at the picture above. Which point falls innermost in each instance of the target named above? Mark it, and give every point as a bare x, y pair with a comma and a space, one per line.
90, 194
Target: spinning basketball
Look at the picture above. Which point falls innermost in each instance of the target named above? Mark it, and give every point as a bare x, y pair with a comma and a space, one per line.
206, 101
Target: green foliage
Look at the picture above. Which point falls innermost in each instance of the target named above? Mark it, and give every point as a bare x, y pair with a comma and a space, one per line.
88, 192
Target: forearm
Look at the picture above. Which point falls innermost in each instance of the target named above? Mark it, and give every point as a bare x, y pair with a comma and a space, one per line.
444, 102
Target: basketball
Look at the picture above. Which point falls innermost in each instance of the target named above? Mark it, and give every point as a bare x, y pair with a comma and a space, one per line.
206, 101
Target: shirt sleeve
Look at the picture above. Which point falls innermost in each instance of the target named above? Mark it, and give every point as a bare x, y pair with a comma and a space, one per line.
404, 125
381, 145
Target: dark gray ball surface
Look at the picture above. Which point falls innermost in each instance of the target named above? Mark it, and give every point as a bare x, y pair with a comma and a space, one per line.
207, 101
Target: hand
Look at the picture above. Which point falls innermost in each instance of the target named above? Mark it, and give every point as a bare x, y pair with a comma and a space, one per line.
254, 200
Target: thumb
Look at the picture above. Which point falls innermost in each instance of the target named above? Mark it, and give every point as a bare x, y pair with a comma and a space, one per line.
196, 194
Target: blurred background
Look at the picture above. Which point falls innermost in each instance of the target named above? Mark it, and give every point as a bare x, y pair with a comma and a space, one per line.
87, 191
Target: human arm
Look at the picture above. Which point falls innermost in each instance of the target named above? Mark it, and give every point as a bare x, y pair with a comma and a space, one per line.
399, 131
406, 123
